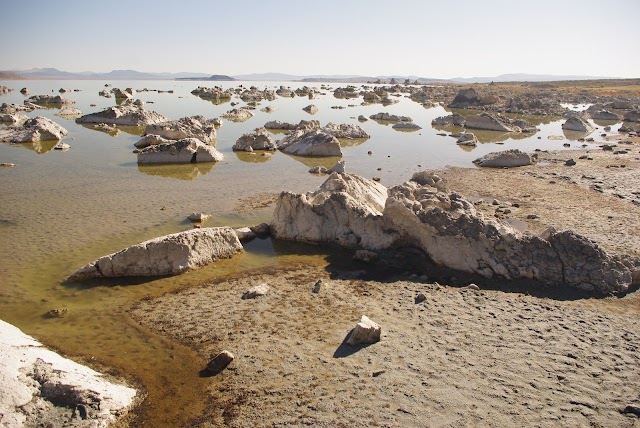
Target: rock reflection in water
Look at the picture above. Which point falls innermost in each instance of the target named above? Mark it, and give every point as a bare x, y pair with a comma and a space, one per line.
327, 162
352, 142
188, 172
40, 147
575, 135
258, 156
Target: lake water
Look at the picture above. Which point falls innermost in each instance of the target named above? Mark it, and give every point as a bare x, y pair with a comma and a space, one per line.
61, 210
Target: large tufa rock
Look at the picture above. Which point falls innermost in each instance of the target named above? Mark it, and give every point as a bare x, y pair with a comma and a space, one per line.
346, 209
466, 98
127, 114
215, 94
505, 159
315, 143
257, 140
454, 119
189, 150
345, 131
120, 93
47, 100
188, 127
166, 255
33, 130
450, 230
576, 123
632, 116
276, 124
364, 333
353, 212
603, 115
36, 382
497, 122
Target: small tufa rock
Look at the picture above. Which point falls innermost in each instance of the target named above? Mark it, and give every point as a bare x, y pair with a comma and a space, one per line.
570, 162
244, 234
257, 291
472, 287
420, 298
198, 217
261, 229
318, 286
219, 362
56, 313
365, 332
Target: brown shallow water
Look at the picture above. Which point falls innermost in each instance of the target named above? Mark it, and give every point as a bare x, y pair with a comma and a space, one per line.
59, 211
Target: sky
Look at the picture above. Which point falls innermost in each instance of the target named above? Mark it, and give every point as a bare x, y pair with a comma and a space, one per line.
444, 39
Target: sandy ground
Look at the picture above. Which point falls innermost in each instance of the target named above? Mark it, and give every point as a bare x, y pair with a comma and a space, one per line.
462, 358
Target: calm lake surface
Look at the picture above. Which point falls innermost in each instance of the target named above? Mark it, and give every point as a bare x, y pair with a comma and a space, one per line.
61, 210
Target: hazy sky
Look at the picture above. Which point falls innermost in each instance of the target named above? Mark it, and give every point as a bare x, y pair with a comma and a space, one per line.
441, 39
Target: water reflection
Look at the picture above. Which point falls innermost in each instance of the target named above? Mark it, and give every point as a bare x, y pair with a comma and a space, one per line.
258, 156
575, 135
40, 147
352, 142
190, 171
327, 162
114, 132
604, 123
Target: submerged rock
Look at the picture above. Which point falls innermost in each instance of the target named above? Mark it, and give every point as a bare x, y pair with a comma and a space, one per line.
127, 114
576, 123
33, 130
505, 159
315, 143
189, 150
37, 383
166, 255
68, 111
257, 140
188, 127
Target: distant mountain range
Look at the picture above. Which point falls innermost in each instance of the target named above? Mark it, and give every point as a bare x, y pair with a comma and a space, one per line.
53, 73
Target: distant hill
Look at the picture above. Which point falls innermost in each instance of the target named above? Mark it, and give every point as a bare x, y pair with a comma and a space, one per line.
215, 77
524, 77
53, 73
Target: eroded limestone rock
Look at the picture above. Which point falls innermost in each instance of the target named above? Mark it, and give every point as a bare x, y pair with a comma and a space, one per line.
316, 143
33, 130
576, 123
188, 127
166, 255
365, 332
257, 140
39, 384
344, 130
189, 150
505, 159
127, 114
